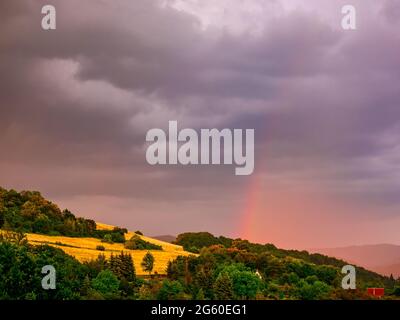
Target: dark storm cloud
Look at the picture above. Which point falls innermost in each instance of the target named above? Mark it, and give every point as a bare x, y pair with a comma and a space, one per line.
161, 50
229, 66
76, 102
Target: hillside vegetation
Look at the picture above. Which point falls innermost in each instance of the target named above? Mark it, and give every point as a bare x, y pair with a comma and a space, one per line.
85, 249
289, 273
96, 261
44, 223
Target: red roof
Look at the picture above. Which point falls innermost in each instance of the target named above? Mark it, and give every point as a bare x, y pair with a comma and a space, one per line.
376, 292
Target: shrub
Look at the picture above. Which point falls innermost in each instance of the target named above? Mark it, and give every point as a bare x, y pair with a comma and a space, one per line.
171, 290
106, 283
122, 266
245, 284
107, 238
136, 243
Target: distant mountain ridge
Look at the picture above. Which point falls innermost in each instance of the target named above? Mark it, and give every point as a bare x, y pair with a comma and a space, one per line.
381, 258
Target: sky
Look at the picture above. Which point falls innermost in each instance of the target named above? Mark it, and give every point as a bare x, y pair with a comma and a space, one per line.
76, 103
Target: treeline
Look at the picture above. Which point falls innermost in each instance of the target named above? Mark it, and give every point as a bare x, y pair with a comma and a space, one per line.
21, 273
242, 273
28, 211
137, 243
216, 273
196, 241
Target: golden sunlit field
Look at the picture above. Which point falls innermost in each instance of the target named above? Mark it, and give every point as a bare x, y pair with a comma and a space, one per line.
84, 249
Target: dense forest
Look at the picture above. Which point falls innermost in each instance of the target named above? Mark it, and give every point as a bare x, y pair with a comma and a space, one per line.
253, 271
194, 242
221, 268
28, 211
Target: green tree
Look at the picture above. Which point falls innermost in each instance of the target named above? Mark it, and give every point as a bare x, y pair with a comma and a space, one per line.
308, 290
106, 283
170, 290
17, 272
245, 283
137, 243
148, 263
69, 271
223, 287
200, 295
122, 266
21, 272
197, 240
97, 265
396, 291
107, 238
86, 286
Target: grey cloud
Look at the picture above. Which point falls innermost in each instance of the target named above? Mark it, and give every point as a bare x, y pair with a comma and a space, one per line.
320, 99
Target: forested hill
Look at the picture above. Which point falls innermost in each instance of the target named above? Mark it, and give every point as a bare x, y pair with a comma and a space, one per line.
30, 212
196, 241
222, 268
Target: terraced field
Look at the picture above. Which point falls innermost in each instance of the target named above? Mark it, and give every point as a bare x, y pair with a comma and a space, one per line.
84, 249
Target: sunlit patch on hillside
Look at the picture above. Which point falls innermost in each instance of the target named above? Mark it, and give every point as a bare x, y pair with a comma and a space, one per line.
85, 249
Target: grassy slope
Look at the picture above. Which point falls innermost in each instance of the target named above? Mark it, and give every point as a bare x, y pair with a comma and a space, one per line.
84, 249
